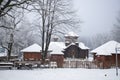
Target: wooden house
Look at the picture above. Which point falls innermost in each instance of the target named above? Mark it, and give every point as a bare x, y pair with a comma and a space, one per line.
74, 49
105, 55
57, 55
32, 53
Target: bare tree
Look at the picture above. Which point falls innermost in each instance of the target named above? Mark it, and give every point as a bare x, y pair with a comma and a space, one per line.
10, 33
116, 30
7, 5
28, 34
54, 16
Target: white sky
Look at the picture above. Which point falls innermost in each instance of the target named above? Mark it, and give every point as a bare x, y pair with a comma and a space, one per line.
98, 15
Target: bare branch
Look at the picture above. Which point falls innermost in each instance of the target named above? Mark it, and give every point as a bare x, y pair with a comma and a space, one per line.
7, 6
2, 26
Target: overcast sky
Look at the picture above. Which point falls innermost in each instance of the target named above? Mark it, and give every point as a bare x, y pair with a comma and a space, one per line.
98, 15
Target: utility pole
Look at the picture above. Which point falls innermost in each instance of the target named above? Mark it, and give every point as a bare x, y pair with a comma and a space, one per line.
116, 62
117, 49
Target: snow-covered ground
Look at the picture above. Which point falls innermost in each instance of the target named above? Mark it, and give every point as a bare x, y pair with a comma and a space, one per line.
60, 74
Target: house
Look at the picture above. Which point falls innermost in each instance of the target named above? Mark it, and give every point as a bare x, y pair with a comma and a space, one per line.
3, 54
57, 55
74, 49
32, 53
105, 55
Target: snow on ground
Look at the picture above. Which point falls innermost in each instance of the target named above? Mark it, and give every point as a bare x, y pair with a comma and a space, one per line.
60, 74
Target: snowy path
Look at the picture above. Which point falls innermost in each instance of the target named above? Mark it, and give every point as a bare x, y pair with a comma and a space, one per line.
59, 74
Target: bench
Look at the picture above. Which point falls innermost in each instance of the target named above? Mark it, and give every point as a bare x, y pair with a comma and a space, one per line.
8, 65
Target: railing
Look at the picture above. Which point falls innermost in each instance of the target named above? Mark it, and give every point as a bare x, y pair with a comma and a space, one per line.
78, 63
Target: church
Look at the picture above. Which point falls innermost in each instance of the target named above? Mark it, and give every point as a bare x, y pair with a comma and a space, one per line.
71, 48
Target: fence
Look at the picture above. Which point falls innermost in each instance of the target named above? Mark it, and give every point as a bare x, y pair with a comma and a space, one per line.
78, 63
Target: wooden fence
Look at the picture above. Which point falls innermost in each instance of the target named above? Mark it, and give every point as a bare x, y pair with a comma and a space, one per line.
77, 63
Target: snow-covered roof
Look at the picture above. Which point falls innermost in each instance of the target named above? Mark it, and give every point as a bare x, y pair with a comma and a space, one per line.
3, 52
56, 47
33, 48
71, 34
107, 48
82, 46
70, 45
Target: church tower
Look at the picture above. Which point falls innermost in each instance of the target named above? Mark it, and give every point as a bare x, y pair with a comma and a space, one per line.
71, 37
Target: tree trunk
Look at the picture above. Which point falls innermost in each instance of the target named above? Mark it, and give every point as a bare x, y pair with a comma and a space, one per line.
10, 44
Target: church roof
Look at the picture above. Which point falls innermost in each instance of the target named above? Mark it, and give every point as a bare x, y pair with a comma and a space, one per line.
81, 45
71, 34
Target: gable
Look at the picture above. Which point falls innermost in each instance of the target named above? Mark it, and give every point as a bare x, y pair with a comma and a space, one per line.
72, 47
32, 48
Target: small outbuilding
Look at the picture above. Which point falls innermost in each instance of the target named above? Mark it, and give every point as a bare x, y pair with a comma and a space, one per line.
57, 55
32, 53
105, 55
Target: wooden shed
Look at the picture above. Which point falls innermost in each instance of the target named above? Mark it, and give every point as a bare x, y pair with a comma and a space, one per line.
105, 55
57, 55
58, 58
32, 53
